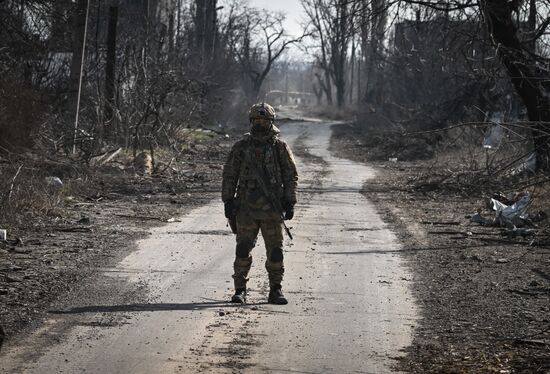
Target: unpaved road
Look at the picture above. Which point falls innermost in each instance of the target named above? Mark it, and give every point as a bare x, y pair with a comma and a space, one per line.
350, 307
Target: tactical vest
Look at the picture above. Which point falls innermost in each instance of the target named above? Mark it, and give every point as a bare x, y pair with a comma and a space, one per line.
267, 155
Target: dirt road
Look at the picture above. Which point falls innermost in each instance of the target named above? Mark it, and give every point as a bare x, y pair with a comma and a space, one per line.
350, 307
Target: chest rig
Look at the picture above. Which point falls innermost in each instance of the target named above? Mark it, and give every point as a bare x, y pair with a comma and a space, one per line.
264, 157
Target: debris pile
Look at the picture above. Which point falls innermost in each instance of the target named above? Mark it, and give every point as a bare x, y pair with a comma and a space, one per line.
511, 214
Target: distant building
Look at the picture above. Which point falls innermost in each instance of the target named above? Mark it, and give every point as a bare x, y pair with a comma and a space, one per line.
276, 97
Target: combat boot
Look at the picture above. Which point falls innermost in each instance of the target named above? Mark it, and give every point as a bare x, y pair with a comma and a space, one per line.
276, 296
240, 296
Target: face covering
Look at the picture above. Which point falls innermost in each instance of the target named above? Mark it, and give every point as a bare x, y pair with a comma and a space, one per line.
261, 128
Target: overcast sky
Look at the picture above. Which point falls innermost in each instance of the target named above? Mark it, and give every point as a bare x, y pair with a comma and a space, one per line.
292, 8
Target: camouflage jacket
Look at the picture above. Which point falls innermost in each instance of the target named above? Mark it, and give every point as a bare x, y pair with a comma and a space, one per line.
271, 155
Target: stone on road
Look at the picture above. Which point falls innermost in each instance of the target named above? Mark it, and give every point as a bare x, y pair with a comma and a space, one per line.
350, 308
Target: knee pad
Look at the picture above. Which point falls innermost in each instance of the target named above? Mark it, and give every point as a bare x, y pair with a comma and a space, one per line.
277, 255
243, 248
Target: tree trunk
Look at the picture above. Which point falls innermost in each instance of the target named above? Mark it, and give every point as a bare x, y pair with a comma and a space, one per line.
352, 70
59, 28
110, 74
358, 80
339, 52
378, 19
532, 25
523, 73
205, 29
286, 85
327, 87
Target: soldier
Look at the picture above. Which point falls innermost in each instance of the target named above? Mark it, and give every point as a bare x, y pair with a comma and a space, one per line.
259, 192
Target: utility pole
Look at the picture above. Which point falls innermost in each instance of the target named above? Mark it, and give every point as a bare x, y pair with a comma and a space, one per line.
77, 64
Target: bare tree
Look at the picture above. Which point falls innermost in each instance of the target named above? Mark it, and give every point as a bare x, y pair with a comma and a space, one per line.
319, 26
332, 26
262, 41
374, 16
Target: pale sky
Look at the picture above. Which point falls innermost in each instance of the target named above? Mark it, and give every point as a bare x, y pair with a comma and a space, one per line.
292, 9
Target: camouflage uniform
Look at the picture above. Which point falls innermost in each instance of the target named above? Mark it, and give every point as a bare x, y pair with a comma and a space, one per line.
254, 212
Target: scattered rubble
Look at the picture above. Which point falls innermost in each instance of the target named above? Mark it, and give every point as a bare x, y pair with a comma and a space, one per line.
509, 212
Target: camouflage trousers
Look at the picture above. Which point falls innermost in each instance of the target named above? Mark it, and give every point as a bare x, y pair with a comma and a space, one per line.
247, 235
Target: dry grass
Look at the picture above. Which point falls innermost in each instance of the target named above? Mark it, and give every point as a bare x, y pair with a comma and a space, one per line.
27, 197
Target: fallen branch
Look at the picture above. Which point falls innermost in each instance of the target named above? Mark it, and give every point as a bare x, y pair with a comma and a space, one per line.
104, 158
13, 182
449, 232
140, 217
532, 341
73, 229
522, 292
113, 155
452, 223
502, 241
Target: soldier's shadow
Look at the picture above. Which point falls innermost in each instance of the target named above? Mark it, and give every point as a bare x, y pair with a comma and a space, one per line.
155, 307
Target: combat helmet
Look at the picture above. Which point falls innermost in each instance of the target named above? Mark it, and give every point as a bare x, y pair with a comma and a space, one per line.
261, 110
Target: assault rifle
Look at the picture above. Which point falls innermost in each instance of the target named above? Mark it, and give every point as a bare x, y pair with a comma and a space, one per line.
271, 197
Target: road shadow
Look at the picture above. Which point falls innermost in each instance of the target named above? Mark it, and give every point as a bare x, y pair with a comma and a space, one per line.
153, 307
410, 250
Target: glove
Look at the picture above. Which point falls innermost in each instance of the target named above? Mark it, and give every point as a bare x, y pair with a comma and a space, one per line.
289, 210
229, 209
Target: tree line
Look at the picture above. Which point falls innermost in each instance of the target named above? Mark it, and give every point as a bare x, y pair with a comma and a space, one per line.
425, 63
78, 76
89, 73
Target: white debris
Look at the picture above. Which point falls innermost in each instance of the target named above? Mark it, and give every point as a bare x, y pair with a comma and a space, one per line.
493, 137
54, 182
3, 234
514, 213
